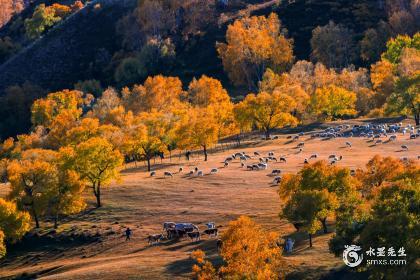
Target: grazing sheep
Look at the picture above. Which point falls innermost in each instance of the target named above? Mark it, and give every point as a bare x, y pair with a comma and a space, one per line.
153, 174
276, 180
262, 165
404, 147
313, 156
392, 137
378, 142
214, 171
180, 169
248, 156
242, 164
191, 173
300, 150
242, 158
257, 154
239, 154
332, 156
404, 159
305, 161
255, 167
282, 159
270, 154
250, 167
296, 137
168, 174
200, 173
301, 144
226, 164
348, 144
352, 172
228, 159
275, 171
333, 162
195, 169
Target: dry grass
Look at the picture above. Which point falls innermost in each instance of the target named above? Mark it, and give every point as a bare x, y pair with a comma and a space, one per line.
144, 203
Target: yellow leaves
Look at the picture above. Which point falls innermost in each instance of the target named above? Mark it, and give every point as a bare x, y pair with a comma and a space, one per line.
13, 223
268, 111
333, 102
254, 43
250, 252
157, 93
45, 110
97, 161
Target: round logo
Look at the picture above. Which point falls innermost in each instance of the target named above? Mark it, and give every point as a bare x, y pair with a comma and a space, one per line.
351, 255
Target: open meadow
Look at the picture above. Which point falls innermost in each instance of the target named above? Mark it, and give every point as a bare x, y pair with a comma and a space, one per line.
144, 203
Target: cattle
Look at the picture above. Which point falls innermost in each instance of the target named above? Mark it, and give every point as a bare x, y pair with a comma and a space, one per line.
155, 238
195, 235
211, 232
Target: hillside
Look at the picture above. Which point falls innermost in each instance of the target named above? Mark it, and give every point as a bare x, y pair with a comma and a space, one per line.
144, 203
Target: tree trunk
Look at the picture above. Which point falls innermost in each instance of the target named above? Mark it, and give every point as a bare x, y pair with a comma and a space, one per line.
310, 240
417, 118
267, 134
56, 220
238, 139
98, 195
205, 152
35, 216
148, 164
324, 225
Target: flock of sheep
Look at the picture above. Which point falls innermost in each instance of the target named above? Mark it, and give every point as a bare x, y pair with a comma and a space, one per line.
377, 133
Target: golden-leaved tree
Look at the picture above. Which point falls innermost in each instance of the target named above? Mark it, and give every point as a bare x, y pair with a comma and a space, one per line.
148, 136
248, 251
209, 93
158, 93
254, 44
333, 102
45, 110
32, 180
97, 162
13, 224
198, 130
267, 111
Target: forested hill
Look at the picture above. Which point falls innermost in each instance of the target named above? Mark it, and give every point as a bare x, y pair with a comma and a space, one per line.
90, 45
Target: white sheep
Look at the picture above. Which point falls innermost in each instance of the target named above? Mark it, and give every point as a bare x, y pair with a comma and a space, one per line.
277, 180
256, 154
200, 173
167, 174
180, 169
348, 144
404, 147
226, 164
153, 174
214, 171
313, 156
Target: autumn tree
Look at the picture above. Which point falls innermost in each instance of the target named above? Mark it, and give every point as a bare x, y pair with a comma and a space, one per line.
97, 162
157, 93
333, 45
42, 19
395, 222
383, 79
269, 111
209, 93
395, 47
406, 96
148, 137
333, 102
32, 178
306, 209
45, 110
248, 251
13, 224
198, 130
253, 45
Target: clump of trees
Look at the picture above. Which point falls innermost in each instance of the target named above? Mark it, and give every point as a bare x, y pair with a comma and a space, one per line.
375, 206
252, 45
248, 251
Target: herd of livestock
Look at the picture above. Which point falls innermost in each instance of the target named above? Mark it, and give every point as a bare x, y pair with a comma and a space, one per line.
376, 133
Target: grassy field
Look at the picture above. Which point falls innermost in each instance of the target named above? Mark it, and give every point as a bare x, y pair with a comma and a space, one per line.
144, 203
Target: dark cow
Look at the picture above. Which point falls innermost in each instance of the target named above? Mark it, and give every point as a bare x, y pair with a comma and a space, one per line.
194, 236
154, 239
211, 232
